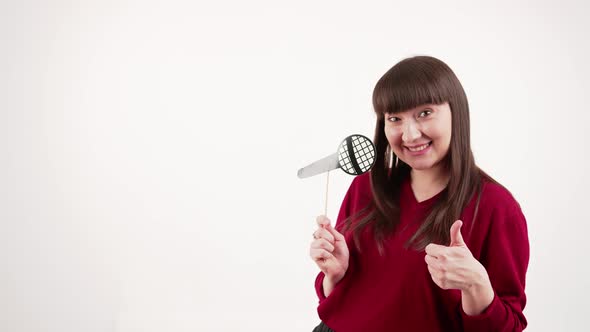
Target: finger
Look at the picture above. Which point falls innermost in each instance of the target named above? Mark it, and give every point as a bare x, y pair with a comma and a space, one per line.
320, 254
435, 250
439, 282
322, 233
433, 272
434, 266
430, 260
456, 237
322, 221
322, 244
337, 235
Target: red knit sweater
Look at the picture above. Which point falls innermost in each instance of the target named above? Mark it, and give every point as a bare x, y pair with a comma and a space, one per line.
395, 292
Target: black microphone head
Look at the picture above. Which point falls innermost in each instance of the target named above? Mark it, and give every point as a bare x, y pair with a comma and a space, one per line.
356, 154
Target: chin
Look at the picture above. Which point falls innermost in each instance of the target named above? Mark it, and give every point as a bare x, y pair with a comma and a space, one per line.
421, 166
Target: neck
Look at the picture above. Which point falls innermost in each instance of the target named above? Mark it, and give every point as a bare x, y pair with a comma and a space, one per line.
429, 182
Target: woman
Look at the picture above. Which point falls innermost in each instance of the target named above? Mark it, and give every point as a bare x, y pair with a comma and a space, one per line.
426, 241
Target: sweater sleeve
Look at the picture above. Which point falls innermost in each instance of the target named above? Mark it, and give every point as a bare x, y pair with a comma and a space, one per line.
345, 211
505, 256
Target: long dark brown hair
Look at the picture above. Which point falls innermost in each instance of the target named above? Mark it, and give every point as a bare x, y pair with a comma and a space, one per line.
412, 82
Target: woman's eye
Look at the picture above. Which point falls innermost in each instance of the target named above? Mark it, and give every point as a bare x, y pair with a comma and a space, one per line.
425, 113
393, 119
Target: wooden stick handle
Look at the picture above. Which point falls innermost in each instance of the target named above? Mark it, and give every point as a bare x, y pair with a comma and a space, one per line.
326, 200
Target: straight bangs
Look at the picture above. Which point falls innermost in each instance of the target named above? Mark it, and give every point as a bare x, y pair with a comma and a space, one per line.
408, 85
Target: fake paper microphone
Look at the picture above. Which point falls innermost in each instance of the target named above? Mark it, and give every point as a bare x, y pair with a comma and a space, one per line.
355, 156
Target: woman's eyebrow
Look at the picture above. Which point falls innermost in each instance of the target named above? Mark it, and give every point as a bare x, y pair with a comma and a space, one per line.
430, 107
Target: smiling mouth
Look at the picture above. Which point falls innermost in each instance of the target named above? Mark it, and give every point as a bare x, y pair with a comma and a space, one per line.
419, 148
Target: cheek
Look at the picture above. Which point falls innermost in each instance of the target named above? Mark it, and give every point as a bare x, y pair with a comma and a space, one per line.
446, 130
442, 141
444, 138
393, 136
395, 142
441, 135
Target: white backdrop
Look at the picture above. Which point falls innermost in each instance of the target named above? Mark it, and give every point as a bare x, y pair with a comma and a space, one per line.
149, 150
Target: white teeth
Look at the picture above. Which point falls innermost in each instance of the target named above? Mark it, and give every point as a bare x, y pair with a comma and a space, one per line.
419, 148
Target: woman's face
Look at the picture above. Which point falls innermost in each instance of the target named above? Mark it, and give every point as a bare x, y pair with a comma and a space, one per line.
421, 136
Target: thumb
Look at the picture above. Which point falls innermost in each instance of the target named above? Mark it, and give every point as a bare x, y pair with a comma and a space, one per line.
337, 235
456, 237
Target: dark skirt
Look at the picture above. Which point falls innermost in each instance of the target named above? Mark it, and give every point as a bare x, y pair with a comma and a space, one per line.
322, 328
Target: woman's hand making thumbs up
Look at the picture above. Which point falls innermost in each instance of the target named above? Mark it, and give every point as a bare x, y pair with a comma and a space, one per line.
330, 252
454, 267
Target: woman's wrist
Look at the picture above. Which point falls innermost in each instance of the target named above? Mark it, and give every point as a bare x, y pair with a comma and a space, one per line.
327, 286
330, 282
478, 296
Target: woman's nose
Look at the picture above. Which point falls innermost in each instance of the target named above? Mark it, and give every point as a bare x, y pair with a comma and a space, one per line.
411, 132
